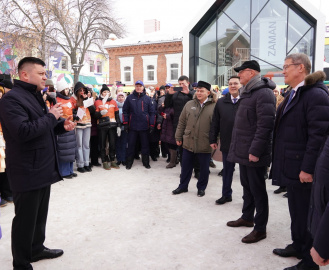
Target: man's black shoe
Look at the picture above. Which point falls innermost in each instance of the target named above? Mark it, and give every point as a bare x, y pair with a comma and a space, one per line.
220, 173
197, 175
147, 166
154, 158
96, 164
302, 266
68, 176
201, 193
74, 175
87, 168
47, 254
81, 170
285, 195
224, 200
288, 251
179, 191
280, 190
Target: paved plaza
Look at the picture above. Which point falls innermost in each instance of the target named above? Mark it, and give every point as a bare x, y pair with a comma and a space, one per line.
122, 219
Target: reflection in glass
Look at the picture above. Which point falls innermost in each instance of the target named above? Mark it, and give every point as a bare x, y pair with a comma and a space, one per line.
296, 29
305, 45
268, 33
256, 6
206, 71
239, 11
207, 43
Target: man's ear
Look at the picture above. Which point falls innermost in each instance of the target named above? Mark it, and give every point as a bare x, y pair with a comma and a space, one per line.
23, 75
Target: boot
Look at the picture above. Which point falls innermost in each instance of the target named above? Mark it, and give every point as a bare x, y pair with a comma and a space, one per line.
146, 161
129, 162
106, 166
173, 157
114, 165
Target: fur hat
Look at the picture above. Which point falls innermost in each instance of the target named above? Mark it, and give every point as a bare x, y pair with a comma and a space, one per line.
204, 84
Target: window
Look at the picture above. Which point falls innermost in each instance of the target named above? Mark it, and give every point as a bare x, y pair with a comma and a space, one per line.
174, 64
64, 63
91, 65
99, 67
127, 70
150, 73
174, 72
150, 63
127, 74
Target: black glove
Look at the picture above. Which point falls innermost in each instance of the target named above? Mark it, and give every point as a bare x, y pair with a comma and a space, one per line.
151, 129
126, 127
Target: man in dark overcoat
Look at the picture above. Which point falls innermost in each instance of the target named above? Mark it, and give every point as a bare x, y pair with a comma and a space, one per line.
222, 125
251, 147
301, 122
32, 166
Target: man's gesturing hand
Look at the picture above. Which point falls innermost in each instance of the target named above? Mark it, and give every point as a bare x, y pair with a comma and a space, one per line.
56, 110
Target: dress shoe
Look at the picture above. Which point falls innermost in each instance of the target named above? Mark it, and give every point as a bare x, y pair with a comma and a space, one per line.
74, 174
87, 168
280, 190
254, 237
240, 223
201, 193
224, 200
288, 251
154, 158
68, 176
97, 164
9, 199
285, 195
118, 163
179, 191
221, 173
47, 254
302, 266
212, 164
81, 170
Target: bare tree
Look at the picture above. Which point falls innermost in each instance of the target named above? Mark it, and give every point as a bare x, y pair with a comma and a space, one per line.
74, 25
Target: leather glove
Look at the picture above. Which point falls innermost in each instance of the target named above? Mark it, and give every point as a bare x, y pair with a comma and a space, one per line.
126, 127
103, 112
118, 131
151, 129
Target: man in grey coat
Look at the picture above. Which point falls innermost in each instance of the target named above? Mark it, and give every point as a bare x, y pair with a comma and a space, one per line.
251, 147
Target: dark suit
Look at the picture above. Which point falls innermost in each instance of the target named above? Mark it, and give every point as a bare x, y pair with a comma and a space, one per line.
298, 134
32, 166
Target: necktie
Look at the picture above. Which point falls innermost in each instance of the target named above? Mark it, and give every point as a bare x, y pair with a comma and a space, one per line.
235, 100
290, 98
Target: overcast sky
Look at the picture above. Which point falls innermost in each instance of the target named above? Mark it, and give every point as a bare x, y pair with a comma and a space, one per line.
174, 15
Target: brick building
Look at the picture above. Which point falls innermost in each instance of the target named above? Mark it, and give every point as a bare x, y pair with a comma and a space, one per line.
155, 59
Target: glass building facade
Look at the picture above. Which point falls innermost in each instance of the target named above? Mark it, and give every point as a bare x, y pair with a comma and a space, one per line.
235, 31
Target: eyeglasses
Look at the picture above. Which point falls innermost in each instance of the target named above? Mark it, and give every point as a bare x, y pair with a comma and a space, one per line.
285, 67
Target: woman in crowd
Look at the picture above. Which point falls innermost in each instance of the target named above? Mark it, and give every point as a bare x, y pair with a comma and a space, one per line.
121, 141
66, 143
109, 125
82, 115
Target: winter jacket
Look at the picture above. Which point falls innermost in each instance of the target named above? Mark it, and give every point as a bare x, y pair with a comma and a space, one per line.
138, 111
177, 101
194, 125
223, 121
112, 111
319, 205
167, 129
299, 132
66, 143
88, 113
29, 131
254, 122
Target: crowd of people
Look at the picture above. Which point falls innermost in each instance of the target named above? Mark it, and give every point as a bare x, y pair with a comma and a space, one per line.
47, 127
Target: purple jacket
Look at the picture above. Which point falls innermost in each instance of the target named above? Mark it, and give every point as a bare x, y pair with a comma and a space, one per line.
167, 128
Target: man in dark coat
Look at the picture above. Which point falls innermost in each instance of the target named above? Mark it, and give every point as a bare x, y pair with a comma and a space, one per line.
139, 120
29, 130
251, 147
300, 126
222, 124
319, 209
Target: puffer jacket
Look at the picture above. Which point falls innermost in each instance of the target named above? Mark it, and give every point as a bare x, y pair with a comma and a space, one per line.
319, 206
138, 111
194, 125
254, 123
299, 132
